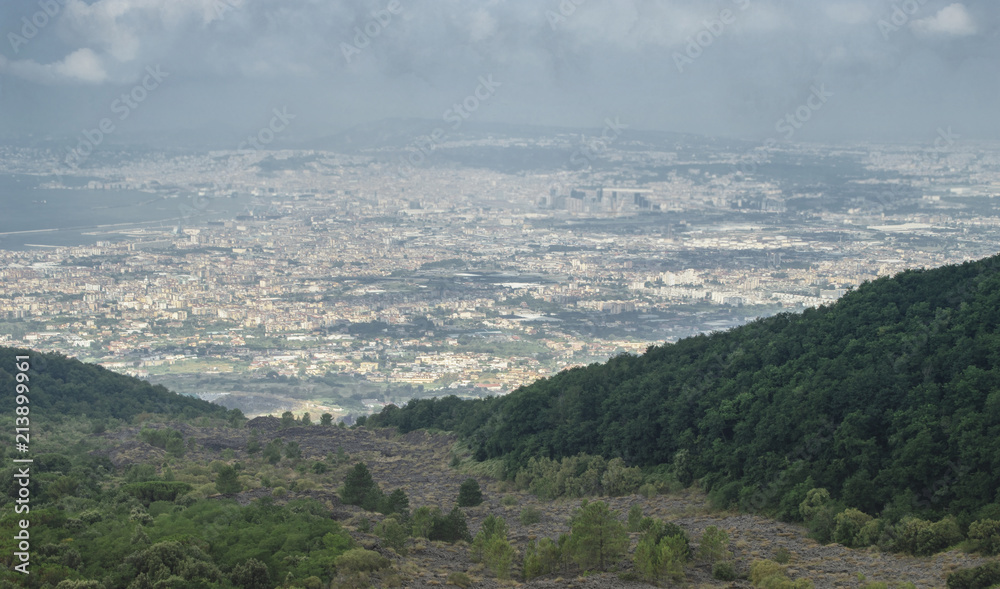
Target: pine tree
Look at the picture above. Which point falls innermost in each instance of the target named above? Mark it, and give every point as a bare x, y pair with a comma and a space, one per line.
469, 494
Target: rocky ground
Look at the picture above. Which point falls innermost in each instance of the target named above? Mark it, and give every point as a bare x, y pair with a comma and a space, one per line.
419, 463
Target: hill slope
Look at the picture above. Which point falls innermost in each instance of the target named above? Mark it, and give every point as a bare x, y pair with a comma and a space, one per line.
889, 397
61, 386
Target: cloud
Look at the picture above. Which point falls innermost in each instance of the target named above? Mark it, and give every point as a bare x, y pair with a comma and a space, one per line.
953, 20
83, 65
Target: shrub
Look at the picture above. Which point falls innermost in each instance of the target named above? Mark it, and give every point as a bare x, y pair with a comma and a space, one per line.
868, 534
985, 534
648, 490
815, 500
714, 545
847, 525
393, 534
492, 526
663, 559
423, 521
541, 558
923, 538
723, 571
469, 494
619, 479
768, 574
459, 579
980, 577
509, 500
530, 515
782, 555
762, 569
360, 560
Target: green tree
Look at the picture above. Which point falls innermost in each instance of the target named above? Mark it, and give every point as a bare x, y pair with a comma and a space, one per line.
293, 451
597, 538
326, 419
451, 528
714, 545
287, 419
357, 485
423, 521
252, 574
663, 559
226, 481
492, 547
469, 494
272, 451
635, 518
306, 419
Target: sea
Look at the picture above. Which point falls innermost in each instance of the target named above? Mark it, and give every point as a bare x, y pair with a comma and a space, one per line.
33, 217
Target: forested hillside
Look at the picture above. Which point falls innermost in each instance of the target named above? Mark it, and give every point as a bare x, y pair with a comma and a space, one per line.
889, 398
61, 386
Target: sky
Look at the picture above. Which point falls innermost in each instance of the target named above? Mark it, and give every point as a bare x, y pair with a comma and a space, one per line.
791, 70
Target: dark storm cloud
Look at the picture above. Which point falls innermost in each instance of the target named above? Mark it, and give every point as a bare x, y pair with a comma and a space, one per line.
896, 69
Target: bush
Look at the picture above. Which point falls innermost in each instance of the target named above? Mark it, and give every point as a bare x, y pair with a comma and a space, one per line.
530, 515
723, 571
469, 494
985, 535
768, 574
980, 577
648, 490
541, 558
393, 534
869, 533
782, 555
619, 479
815, 500
923, 538
664, 559
423, 521
509, 500
848, 525
459, 579
360, 560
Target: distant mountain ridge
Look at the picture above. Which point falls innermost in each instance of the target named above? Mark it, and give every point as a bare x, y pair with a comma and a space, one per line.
889, 398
